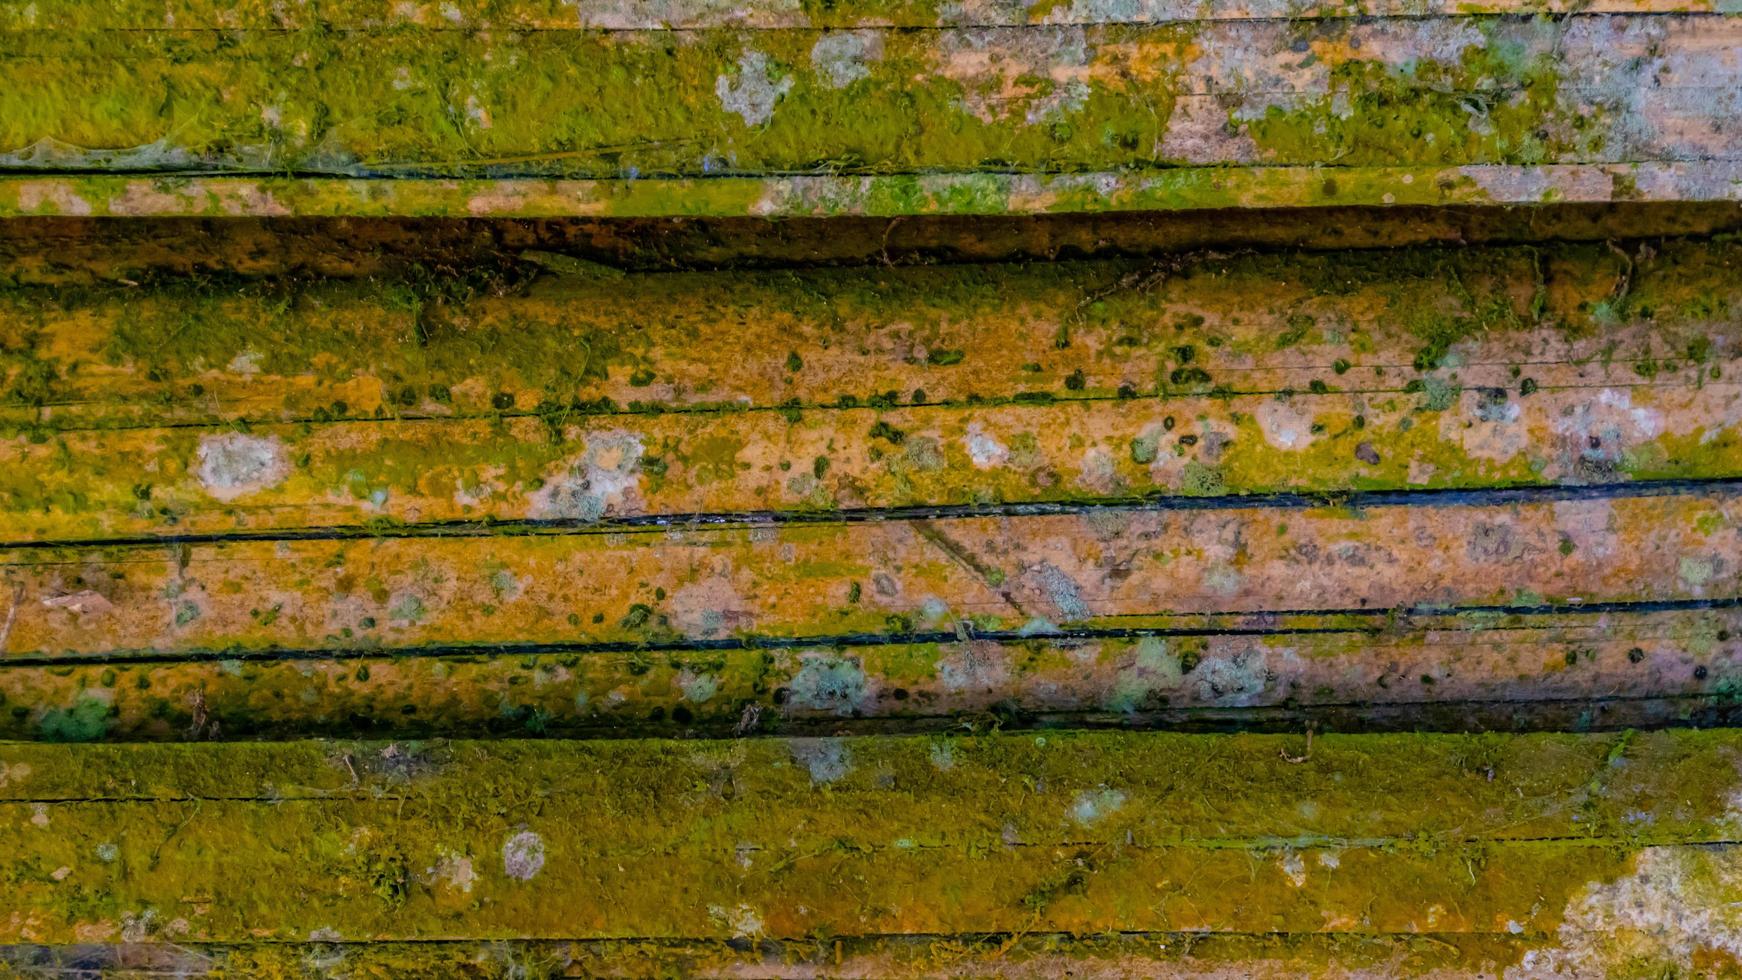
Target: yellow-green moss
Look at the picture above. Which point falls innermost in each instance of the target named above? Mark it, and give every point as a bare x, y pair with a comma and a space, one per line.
1065, 832
1497, 101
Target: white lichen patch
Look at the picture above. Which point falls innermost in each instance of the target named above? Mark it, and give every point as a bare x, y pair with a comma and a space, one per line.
1036, 74
744, 921
453, 871
1153, 673
1488, 423
1589, 525
754, 91
138, 927
1060, 590
1038, 626
1695, 571
625, 15
943, 756
710, 608
407, 608
85, 602
826, 759
983, 450
1421, 472
1677, 907
477, 113
1176, 468
697, 688
523, 855
1286, 423
245, 363
1092, 805
14, 772
831, 682
1294, 869
235, 464
975, 665
1222, 578
1594, 437
506, 585
1096, 11
843, 57
605, 479
933, 609
50, 197
1099, 473
1234, 679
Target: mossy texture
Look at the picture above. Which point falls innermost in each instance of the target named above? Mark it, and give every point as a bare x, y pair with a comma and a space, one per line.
1509, 671
809, 840
449, 100
1017, 513
810, 583
521, 394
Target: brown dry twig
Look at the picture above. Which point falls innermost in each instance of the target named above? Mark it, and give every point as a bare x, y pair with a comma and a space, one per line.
1304, 756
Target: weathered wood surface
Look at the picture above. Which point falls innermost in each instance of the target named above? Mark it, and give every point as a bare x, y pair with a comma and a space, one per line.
501, 111
172, 411
1126, 615
930, 527
1447, 488
1500, 672
1593, 853
1040, 573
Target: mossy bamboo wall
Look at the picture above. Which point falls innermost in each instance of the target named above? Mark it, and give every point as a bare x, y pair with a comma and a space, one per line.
513, 488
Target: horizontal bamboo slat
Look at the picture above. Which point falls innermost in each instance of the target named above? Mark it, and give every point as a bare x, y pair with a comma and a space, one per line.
165, 411
1568, 851
499, 109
